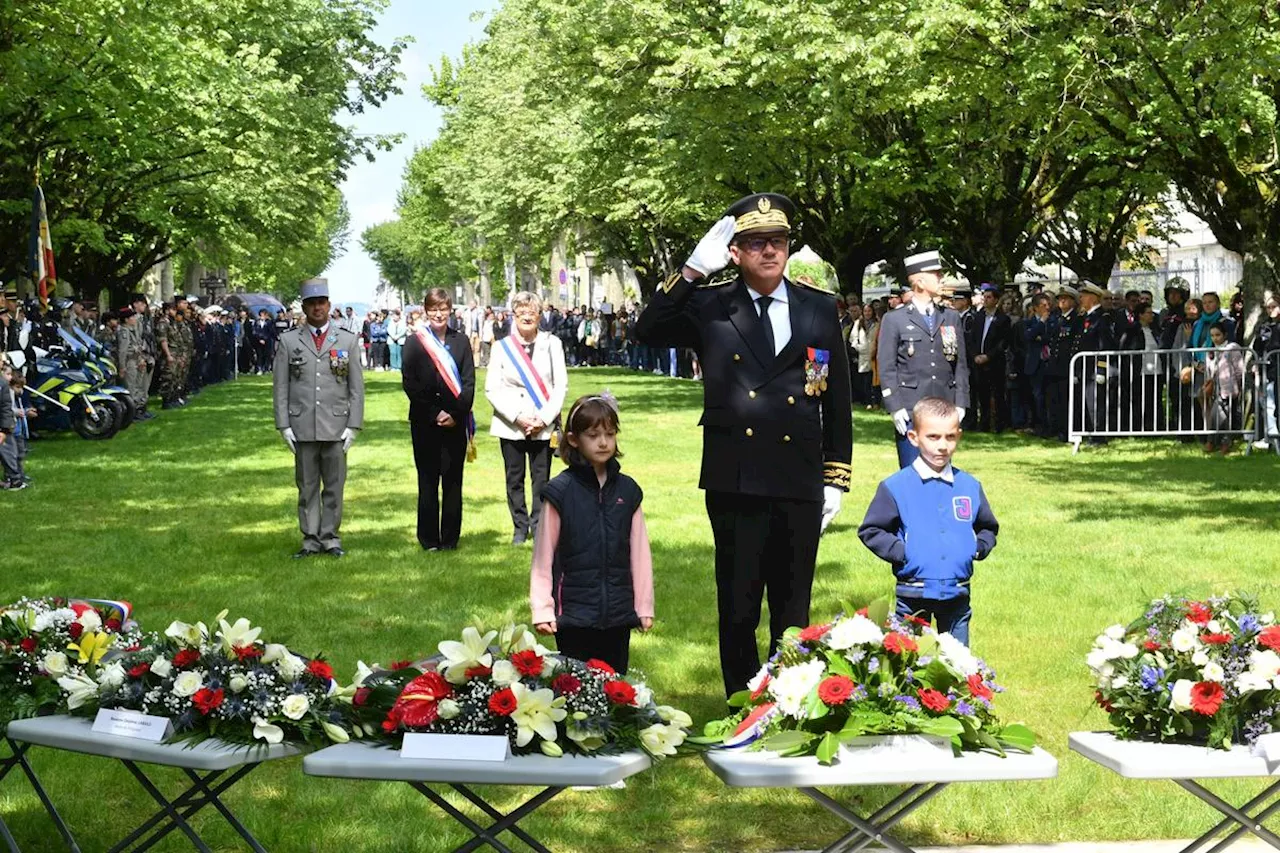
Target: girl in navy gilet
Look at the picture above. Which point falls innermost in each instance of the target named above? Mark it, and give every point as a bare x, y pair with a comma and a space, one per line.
592, 576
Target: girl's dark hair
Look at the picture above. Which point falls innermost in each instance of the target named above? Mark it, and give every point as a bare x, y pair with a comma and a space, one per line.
1221, 327
587, 413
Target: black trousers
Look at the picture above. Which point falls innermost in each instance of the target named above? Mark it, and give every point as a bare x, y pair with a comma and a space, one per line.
1057, 403
611, 645
763, 546
515, 452
988, 396
440, 456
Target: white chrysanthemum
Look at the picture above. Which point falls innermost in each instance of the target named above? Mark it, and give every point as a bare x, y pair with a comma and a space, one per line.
1185, 639
504, 673
957, 655
162, 667
1181, 698
1212, 672
112, 675
1249, 682
1265, 664
855, 631
1120, 682
793, 684
291, 667
1115, 632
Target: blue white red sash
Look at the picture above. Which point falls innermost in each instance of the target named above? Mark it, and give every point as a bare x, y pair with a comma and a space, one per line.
444, 361
529, 377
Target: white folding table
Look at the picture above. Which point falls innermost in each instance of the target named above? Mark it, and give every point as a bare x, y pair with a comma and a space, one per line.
1184, 763
212, 766
925, 775
361, 760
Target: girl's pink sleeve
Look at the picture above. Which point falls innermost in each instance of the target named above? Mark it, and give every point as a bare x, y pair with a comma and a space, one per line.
641, 566
544, 549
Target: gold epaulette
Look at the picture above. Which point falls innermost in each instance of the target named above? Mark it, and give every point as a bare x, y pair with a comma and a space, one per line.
836, 474
813, 287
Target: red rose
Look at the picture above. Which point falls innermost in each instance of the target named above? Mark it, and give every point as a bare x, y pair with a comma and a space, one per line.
75, 629
601, 666
244, 653
1270, 638
361, 696
764, 685
933, 700
1102, 701
1215, 639
29, 645
1151, 646
206, 700
814, 633
478, 672
186, 658
620, 692
979, 688
401, 664
503, 703
527, 663
565, 684
1206, 697
899, 643
835, 690
1199, 613
320, 669
112, 624
140, 670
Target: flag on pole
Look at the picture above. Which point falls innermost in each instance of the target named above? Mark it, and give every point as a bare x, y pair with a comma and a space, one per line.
41, 250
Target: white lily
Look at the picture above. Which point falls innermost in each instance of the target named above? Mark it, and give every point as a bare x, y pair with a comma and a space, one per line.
262, 730
675, 716
362, 672
472, 652
661, 740
273, 652
183, 633
537, 712
240, 635
79, 688
335, 733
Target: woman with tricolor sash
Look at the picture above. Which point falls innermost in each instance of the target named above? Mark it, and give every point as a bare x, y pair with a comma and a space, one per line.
526, 386
439, 378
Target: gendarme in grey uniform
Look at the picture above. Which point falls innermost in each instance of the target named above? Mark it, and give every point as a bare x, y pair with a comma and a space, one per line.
319, 395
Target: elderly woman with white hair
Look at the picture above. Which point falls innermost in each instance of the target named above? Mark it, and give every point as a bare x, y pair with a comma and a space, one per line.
526, 385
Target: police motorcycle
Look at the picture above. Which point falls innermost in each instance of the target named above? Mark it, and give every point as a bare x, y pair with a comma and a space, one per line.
66, 396
97, 364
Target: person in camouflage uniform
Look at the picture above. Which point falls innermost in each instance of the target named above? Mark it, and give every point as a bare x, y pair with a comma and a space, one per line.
131, 361
186, 347
167, 343
147, 334
106, 336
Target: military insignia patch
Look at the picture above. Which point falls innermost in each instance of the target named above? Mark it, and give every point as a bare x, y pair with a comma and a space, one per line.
963, 508
765, 205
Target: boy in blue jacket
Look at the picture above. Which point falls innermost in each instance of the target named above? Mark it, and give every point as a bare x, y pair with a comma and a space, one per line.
930, 521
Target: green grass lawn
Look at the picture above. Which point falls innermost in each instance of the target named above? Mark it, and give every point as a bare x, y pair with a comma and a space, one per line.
195, 512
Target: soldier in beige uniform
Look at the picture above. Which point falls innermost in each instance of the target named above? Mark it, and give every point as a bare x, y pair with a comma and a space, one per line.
319, 408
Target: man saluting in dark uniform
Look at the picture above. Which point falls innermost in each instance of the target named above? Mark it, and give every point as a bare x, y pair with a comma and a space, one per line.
777, 429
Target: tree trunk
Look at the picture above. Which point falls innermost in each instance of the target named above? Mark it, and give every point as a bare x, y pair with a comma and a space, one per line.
166, 280
1261, 280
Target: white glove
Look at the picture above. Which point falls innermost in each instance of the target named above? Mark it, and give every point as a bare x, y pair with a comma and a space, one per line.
712, 252
290, 439
901, 421
960, 412
1100, 378
348, 439
831, 497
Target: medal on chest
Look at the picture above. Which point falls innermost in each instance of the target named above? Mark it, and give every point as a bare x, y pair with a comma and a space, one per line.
950, 347
339, 362
816, 367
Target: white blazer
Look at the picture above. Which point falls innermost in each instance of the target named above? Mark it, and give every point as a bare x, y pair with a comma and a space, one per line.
506, 393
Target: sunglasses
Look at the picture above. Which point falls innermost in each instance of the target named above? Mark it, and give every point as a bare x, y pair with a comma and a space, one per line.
756, 245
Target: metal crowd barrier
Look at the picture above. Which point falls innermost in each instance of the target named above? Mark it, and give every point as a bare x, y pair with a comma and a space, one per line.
1189, 393
1269, 401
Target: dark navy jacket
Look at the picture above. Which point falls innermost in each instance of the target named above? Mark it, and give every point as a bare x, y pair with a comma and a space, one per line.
931, 531
591, 571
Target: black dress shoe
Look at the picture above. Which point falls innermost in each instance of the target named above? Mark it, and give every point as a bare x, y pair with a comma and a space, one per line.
518, 538
304, 553
335, 552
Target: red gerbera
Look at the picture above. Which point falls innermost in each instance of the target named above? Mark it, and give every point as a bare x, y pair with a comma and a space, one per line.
29, 645
186, 658
814, 633
361, 696
979, 688
1151, 646
75, 629
401, 664
244, 653
140, 670
835, 690
933, 700
1270, 638
112, 624
478, 672
1199, 613
600, 666
207, 700
1103, 702
1215, 639
1206, 697
320, 669
527, 663
503, 703
620, 692
899, 643
565, 684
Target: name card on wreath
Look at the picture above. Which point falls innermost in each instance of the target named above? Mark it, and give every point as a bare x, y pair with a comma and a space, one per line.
133, 724
456, 747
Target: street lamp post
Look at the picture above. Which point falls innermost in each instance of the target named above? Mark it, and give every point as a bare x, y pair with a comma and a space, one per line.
589, 259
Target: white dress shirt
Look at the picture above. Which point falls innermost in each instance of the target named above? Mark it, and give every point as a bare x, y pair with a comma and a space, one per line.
779, 314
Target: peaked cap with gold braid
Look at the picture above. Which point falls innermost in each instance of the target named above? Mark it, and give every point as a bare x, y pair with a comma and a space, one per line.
762, 213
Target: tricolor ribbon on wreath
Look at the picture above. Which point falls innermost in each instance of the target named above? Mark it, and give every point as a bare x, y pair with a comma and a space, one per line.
447, 367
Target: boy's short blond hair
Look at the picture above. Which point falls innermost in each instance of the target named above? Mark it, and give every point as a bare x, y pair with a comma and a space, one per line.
932, 407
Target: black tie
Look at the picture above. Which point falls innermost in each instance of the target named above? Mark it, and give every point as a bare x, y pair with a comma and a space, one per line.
763, 302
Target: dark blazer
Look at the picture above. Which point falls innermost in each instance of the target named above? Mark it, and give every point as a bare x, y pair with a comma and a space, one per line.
428, 395
915, 363
998, 340
1035, 337
761, 433
1097, 332
1064, 342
